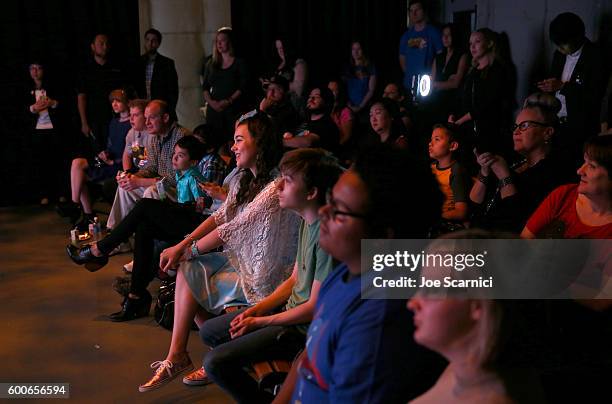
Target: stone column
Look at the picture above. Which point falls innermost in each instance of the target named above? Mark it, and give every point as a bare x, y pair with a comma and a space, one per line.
188, 28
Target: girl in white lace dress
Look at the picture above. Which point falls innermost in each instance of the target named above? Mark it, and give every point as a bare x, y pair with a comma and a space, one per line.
259, 242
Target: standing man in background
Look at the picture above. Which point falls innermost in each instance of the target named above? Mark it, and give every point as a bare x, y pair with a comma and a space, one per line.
97, 79
157, 78
419, 45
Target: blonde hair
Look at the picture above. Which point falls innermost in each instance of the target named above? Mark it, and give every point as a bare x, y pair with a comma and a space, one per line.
217, 59
485, 351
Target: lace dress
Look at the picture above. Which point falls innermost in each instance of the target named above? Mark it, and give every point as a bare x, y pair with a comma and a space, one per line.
259, 249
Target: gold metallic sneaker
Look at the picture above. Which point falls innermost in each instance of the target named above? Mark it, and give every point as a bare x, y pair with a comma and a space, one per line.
166, 372
197, 378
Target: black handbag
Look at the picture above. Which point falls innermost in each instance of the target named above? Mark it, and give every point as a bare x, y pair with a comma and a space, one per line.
164, 305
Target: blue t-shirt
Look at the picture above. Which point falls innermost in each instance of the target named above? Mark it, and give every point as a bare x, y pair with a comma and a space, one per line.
187, 189
115, 145
358, 350
419, 49
358, 82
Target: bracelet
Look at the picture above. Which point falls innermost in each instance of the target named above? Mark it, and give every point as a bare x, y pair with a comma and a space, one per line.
189, 237
506, 181
482, 178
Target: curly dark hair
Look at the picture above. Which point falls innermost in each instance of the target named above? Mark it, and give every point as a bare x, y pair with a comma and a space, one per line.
269, 152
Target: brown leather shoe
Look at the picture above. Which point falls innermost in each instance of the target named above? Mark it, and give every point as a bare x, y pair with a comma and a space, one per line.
166, 372
197, 378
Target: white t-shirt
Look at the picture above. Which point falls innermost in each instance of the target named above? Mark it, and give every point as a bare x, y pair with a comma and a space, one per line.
44, 120
568, 69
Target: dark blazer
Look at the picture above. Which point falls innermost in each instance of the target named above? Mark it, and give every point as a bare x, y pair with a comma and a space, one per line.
164, 83
584, 91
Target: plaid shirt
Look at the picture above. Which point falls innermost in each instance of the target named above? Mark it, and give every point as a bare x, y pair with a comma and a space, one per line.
213, 168
160, 157
149, 75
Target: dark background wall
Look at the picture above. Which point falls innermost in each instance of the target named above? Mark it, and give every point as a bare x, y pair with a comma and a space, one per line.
59, 32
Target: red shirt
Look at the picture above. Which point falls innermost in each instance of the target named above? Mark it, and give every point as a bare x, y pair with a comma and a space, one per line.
560, 206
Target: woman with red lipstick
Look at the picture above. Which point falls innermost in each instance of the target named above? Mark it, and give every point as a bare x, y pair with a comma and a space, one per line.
583, 210
504, 196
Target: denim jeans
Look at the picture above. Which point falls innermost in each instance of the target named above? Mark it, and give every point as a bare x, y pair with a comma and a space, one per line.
225, 363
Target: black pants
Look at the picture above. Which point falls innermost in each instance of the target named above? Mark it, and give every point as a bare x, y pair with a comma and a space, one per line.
150, 220
225, 364
49, 169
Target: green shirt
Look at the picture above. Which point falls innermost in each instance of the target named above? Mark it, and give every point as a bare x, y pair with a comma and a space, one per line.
313, 264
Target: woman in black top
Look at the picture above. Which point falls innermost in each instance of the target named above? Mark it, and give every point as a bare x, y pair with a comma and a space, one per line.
225, 78
486, 98
48, 167
448, 71
505, 197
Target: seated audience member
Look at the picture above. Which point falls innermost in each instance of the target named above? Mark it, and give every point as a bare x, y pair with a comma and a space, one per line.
454, 181
341, 114
212, 166
582, 210
319, 130
138, 140
360, 78
277, 105
259, 240
395, 93
46, 135
188, 151
142, 184
107, 163
475, 337
202, 165
505, 197
361, 350
250, 225
384, 123
243, 337
292, 68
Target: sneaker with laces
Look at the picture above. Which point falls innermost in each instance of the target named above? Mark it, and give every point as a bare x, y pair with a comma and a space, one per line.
197, 378
127, 268
165, 372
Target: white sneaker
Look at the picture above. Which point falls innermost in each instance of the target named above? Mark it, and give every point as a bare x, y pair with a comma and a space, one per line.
128, 267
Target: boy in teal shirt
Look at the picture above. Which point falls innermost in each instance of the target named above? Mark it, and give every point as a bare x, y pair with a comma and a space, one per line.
188, 151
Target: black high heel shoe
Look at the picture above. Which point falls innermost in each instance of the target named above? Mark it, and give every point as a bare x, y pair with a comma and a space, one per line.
84, 256
133, 308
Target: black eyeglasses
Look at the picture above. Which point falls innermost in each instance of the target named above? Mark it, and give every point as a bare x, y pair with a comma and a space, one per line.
523, 126
333, 211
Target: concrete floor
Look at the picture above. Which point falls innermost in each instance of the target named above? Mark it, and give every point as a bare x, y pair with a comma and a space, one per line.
53, 325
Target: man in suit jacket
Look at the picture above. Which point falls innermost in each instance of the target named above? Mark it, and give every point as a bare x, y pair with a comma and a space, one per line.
577, 81
157, 76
